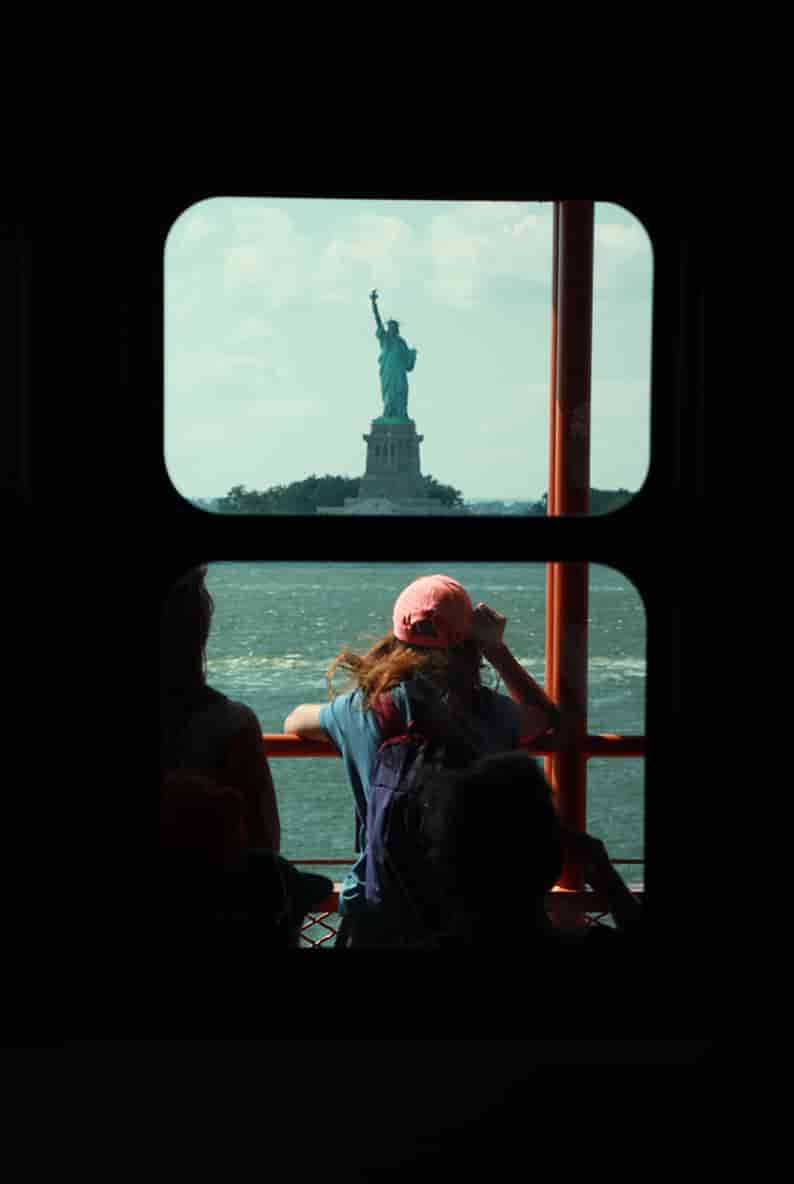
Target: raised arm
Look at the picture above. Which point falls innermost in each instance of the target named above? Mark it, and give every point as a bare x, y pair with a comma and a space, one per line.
374, 298
304, 721
537, 709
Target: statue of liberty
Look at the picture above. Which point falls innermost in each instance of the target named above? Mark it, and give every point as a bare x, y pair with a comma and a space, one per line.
395, 361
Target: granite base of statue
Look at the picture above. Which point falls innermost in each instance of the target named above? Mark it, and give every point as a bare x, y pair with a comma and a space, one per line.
392, 482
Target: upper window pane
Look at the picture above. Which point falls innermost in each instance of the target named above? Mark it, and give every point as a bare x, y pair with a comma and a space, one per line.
276, 365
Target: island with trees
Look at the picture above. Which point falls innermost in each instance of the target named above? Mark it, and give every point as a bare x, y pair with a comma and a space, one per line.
303, 497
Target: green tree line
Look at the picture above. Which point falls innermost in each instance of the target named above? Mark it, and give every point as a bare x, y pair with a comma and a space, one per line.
602, 501
303, 497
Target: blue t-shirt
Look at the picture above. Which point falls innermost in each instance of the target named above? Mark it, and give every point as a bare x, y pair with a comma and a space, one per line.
356, 735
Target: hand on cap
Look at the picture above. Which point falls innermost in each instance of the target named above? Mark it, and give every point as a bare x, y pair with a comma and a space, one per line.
487, 625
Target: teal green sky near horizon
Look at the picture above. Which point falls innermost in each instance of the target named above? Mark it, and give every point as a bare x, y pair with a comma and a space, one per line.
271, 360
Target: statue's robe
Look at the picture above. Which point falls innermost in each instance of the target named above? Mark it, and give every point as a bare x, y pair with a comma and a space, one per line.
395, 361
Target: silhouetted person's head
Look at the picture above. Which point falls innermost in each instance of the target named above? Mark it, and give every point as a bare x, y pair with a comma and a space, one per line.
495, 835
185, 628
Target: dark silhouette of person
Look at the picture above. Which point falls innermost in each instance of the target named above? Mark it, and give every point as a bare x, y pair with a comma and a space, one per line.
498, 846
219, 823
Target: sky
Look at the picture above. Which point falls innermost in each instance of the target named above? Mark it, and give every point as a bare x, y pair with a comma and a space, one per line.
271, 360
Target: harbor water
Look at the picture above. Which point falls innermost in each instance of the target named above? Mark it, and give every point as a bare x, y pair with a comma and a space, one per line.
277, 627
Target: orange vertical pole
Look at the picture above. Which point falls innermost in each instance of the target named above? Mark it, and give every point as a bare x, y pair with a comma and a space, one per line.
552, 689
572, 496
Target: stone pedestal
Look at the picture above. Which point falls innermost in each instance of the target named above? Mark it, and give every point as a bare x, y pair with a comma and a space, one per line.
393, 467
392, 482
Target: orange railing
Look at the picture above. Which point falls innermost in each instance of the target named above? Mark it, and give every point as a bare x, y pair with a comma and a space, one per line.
601, 744
320, 926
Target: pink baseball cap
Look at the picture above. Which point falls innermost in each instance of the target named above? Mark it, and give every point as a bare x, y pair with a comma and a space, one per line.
439, 601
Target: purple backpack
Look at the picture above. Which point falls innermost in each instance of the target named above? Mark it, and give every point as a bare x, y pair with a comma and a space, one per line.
400, 881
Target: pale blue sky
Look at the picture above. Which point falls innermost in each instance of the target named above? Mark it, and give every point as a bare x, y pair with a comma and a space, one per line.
271, 358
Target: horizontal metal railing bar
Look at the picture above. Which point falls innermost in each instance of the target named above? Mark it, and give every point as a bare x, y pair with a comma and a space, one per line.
286, 744
351, 860
574, 901
609, 744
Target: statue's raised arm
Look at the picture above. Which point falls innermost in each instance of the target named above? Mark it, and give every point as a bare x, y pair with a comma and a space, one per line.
374, 298
395, 361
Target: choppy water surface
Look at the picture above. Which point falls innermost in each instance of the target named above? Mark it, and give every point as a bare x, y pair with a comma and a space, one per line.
277, 626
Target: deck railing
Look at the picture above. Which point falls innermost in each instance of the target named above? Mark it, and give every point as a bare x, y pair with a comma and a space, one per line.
578, 905
600, 744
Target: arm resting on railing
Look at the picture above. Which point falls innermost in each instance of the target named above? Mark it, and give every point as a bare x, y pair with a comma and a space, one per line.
304, 721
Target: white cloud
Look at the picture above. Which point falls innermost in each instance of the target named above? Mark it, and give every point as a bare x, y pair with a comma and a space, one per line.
217, 370
487, 215
476, 243
266, 251
197, 227
277, 409
251, 219
371, 251
628, 399
371, 238
250, 362
479, 242
192, 226
251, 329
460, 251
203, 431
617, 237
622, 255
242, 264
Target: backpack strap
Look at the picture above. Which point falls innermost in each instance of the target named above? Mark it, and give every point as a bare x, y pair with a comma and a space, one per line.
388, 715
391, 723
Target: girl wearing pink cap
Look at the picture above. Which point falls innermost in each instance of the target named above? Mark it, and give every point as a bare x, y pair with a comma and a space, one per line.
440, 638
